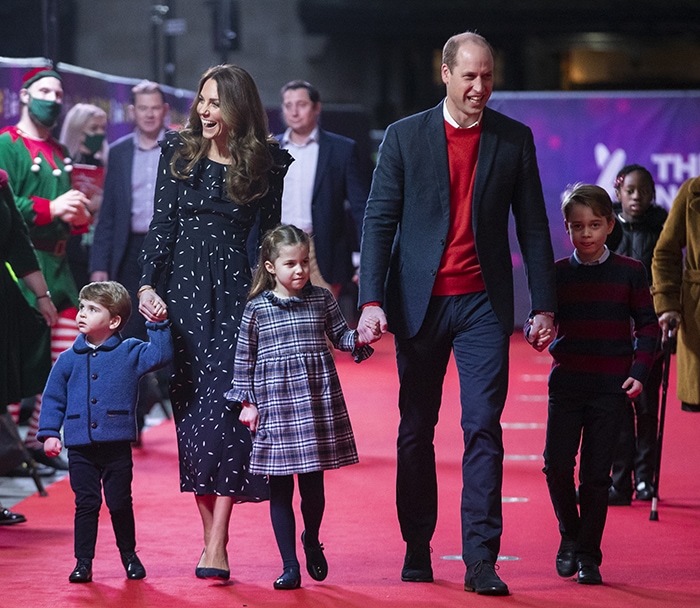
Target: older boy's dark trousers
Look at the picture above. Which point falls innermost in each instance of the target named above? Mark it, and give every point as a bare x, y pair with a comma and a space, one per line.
593, 421
466, 326
92, 468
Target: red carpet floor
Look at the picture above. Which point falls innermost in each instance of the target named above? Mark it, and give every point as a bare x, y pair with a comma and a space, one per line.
646, 564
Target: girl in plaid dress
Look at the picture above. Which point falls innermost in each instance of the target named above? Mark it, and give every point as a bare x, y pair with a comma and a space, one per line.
285, 377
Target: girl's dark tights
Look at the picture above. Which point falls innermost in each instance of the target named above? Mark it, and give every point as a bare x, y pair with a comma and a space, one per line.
313, 502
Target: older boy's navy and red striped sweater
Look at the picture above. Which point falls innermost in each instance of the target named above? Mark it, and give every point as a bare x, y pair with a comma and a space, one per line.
607, 329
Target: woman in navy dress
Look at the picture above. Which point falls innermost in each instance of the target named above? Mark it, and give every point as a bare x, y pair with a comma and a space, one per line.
216, 179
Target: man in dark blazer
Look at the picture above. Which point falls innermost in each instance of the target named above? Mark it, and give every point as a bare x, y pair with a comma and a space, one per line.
435, 256
324, 190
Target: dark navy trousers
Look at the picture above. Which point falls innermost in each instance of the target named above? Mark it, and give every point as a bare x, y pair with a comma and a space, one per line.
92, 468
466, 326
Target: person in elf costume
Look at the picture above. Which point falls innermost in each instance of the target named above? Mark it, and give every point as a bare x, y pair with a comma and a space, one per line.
39, 170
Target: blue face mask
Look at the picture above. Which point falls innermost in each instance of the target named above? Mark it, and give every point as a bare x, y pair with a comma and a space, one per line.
44, 111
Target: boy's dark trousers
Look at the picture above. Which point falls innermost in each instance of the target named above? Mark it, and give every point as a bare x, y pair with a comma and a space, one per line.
92, 468
593, 421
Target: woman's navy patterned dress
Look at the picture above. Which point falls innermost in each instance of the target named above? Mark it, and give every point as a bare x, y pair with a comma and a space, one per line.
195, 255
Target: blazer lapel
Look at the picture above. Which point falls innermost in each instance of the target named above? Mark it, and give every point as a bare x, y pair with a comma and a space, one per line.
487, 153
437, 144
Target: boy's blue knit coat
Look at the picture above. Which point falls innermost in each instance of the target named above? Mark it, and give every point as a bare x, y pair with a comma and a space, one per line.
93, 393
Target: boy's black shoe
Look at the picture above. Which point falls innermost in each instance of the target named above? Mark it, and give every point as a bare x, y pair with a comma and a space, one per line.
82, 573
566, 558
588, 573
690, 407
8, 518
416, 564
133, 566
482, 578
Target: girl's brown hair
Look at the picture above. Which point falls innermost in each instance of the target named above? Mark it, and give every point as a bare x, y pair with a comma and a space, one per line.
281, 236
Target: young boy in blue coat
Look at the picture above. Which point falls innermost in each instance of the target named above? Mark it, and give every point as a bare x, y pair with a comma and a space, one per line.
92, 393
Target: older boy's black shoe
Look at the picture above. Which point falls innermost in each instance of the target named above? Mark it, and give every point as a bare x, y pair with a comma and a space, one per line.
588, 573
645, 491
482, 578
82, 573
566, 558
416, 564
133, 566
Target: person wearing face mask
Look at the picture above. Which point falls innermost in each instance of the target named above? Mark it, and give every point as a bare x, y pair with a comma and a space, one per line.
39, 170
83, 134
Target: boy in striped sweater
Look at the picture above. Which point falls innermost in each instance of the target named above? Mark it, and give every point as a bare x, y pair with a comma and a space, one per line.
598, 364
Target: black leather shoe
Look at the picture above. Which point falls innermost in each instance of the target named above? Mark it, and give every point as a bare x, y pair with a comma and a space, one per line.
645, 491
566, 558
82, 573
416, 564
316, 564
289, 579
8, 518
588, 573
133, 566
57, 462
690, 407
482, 578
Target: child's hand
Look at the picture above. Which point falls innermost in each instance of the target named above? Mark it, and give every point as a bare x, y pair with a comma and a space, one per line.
632, 387
538, 336
371, 326
249, 416
52, 447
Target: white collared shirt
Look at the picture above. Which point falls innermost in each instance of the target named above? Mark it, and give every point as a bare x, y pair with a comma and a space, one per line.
299, 181
605, 255
448, 118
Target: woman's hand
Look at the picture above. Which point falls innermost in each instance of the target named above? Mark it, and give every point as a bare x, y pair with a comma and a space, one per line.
151, 306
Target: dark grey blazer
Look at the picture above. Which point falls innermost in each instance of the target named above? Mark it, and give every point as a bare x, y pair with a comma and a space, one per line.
408, 214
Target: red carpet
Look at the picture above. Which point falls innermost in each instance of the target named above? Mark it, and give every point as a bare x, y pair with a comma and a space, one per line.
645, 563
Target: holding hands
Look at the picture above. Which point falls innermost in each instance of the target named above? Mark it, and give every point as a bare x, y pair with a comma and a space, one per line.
372, 325
151, 305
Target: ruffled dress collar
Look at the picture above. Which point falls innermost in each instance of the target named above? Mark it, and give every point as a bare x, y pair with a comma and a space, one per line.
287, 302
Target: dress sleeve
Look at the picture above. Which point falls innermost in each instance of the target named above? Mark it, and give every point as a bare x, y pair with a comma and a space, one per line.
246, 359
159, 242
341, 336
20, 252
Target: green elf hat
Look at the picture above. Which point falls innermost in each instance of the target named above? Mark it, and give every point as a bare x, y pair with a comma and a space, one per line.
37, 74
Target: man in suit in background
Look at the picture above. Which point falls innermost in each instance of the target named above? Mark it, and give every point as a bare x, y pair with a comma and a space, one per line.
126, 212
436, 257
324, 191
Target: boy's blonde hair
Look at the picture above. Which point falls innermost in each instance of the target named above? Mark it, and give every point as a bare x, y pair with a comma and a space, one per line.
112, 295
592, 196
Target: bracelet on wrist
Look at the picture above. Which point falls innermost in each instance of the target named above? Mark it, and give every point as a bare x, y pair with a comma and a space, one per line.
545, 313
44, 295
142, 289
